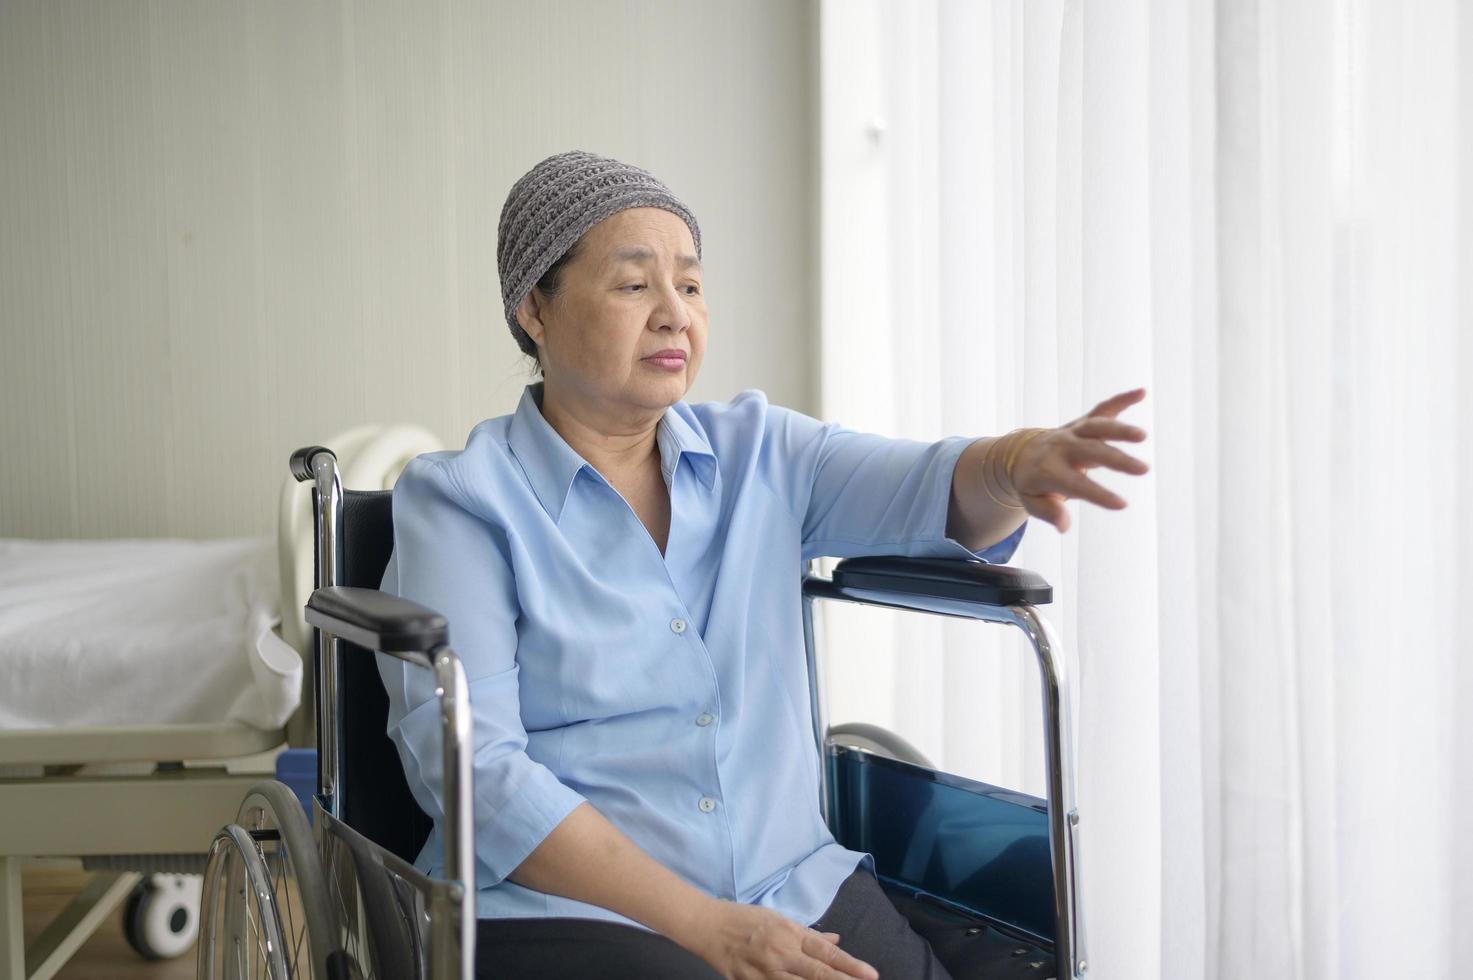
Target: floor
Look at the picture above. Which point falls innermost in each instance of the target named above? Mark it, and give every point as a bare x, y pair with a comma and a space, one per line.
106, 956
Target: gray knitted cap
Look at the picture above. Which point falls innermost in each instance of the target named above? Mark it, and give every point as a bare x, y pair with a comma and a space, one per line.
550, 208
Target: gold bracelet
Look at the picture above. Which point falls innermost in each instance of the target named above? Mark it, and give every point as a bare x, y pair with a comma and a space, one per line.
986, 469
1018, 448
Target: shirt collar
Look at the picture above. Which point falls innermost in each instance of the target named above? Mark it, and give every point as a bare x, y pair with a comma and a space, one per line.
551, 464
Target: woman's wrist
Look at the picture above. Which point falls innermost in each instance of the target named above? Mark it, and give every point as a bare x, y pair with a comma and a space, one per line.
696, 924
998, 466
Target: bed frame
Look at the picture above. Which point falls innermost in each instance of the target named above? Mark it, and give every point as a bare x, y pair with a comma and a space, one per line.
128, 801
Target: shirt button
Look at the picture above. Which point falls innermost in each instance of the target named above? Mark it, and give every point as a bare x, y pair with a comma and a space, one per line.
707, 804
677, 625
705, 719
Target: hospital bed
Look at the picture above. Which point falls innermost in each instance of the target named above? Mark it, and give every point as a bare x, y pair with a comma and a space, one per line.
143, 689
987, 876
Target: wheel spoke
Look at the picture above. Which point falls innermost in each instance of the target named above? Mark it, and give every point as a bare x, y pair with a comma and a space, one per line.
241, 945
298, 935
283, 858
350, 939
255, 943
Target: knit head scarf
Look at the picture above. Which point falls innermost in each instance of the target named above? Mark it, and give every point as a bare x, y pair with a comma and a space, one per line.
552, 205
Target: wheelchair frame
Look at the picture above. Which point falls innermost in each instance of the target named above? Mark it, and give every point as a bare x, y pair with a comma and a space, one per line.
914, 586
425, 646
434, 920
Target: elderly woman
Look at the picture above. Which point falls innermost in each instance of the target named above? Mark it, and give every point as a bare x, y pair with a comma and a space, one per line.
621, 573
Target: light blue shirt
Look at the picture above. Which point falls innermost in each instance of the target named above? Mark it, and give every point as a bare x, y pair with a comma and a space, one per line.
670, 692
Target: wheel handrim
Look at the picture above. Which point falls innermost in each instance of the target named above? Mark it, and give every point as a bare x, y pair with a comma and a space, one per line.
240, 908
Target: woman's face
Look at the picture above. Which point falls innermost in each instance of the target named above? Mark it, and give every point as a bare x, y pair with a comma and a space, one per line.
633, 290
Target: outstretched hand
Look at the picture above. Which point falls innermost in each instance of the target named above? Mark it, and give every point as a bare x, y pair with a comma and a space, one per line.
1050, 467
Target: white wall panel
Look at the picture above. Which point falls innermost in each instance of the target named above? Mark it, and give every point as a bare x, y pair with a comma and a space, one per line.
230, 229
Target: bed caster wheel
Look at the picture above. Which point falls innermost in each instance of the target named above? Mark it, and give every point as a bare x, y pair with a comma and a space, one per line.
161, 916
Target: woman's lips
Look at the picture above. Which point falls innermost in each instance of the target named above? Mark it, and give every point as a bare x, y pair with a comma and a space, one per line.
673, 362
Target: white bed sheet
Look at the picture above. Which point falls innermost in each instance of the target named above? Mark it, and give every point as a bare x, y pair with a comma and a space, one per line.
135, 632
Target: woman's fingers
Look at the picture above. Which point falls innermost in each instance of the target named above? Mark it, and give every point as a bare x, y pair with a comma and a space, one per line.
1116, 404
1049, 471
1075, 484
1063, 483
1048, 507
1097, 427
832, 962
1092, 452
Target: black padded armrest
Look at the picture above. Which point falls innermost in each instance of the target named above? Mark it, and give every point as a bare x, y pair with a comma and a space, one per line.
377, 620
945, 578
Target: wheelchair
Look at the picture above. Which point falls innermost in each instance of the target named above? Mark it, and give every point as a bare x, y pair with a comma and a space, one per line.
986, 875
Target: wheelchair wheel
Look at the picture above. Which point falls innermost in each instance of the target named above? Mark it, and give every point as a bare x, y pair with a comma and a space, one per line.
265, 911
161, 916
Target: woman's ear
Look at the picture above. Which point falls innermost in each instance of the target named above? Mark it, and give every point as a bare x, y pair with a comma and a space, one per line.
529, 315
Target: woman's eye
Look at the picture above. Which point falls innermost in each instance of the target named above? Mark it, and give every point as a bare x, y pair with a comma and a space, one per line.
694, 289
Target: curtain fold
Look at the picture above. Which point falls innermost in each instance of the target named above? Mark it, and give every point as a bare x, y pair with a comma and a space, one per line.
1260, 211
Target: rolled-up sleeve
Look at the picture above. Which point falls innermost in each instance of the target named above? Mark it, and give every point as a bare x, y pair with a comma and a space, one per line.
857, 493
451, 560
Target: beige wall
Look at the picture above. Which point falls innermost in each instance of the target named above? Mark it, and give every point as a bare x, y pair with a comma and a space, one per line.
230, 229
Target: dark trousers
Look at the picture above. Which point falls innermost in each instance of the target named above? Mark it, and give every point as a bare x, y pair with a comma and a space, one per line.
868, 925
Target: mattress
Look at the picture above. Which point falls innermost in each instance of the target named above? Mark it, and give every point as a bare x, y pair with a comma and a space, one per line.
143, 632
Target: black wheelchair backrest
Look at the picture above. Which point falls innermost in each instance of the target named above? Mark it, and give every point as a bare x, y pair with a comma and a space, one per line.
373, 799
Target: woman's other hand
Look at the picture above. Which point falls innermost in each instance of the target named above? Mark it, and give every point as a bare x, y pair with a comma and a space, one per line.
1050, 466
749, 942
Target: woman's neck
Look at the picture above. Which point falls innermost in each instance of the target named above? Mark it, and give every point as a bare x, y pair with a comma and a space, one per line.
611, 447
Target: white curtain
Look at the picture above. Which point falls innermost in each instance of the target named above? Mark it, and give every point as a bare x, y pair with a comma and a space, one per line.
1261, 211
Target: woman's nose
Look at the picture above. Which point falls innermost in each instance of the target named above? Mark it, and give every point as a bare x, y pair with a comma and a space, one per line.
672, 311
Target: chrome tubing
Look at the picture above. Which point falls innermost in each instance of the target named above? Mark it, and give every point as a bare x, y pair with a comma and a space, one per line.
1069, 941
817, 703
1063, 811
329, 516
453, 692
